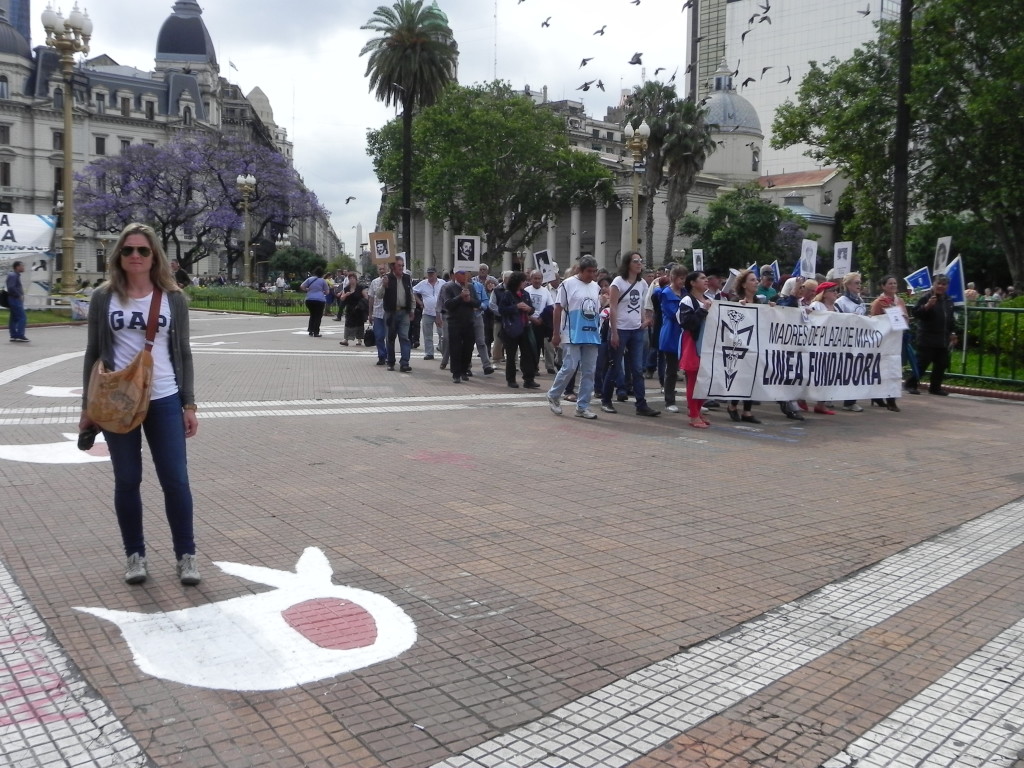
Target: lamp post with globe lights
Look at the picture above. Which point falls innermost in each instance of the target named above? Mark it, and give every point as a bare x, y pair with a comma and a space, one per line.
246, 184
636, 143
68, 37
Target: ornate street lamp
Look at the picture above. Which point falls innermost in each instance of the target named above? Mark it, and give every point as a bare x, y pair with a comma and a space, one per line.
636, 142
68, 37
246, 186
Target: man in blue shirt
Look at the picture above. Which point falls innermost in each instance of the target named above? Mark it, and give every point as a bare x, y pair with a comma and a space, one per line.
16, 303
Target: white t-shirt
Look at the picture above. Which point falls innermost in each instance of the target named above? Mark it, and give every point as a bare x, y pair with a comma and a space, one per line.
580, 304
428, 294
629, 307
378, 302
541, 297
128, 322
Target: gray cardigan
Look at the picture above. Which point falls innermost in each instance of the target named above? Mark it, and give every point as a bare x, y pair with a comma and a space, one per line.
100, 342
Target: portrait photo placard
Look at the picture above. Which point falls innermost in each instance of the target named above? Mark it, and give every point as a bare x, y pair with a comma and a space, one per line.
467, 252
382, 247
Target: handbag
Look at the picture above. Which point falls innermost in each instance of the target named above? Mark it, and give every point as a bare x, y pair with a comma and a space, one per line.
119, 400
5, 300
369, 337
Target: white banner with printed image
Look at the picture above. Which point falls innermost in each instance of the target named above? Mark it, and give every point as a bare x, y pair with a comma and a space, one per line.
756, 352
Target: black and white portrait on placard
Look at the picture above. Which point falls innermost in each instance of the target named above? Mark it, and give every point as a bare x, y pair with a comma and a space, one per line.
942, 247
382, 247
467, 251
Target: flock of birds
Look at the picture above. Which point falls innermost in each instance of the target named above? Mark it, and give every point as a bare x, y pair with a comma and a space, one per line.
762, 16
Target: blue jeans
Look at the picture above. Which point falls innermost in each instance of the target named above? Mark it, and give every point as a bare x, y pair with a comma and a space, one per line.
380, 334
165, 433
630, 355
18, 318
583, 356
398, 325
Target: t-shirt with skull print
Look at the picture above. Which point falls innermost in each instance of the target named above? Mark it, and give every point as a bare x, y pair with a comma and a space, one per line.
629, 312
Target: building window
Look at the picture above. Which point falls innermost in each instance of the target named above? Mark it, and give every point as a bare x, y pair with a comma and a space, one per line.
101, 260
755, 161
610, 135
596, 133
58, 98
101, 145
186, 115
101, 103
596, 147
58, 179
5, 88
6, 207
5, 174
150, 110
58, 141
126, 106
125, 145
149, 144
5, 134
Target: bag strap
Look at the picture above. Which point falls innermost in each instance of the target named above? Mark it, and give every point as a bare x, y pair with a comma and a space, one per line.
154, 317
627, 291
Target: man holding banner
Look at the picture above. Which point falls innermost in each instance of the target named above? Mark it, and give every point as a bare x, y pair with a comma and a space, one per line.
935, 334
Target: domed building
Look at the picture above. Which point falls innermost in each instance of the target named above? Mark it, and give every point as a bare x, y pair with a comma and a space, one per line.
117, 107
736, 129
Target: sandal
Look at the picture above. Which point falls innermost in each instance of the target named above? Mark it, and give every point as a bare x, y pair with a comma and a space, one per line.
699, 424
570, 398
750, 418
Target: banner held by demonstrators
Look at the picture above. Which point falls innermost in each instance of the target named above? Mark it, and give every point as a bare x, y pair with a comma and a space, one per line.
756, 352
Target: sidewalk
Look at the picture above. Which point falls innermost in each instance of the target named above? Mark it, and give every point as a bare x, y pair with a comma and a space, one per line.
628, 591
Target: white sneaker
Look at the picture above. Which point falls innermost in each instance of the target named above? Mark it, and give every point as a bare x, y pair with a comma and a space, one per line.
555, 405
672, 408
585, 414
188, 571
135, 569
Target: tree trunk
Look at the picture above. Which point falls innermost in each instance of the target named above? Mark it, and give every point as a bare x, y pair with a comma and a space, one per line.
407, 178
901, 142
648, 249
1010, 234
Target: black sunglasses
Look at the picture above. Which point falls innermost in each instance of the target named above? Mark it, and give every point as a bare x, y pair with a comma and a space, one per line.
143, 250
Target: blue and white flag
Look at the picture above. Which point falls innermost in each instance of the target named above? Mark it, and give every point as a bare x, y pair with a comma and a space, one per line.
776, 272
755, 269
921, 280
955, 273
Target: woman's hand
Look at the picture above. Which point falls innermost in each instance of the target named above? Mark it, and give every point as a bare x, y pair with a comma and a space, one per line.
191, 423
84, 423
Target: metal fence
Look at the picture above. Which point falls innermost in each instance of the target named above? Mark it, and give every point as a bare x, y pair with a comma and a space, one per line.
268, 304
994, 345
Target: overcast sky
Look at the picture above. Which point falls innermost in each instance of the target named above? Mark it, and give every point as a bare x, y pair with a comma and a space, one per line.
304, 54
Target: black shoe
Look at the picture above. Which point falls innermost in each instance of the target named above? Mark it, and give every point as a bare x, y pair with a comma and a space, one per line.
647, 411
734, 414
607, 407
380, 362
552, 370
750, 418
416, 345
456, 380
465, 378
513, 385
443, 366
531, 385
488, 370
391, 366
467, 373
939, 392
405, 368
428, 357
794, 415
623, 398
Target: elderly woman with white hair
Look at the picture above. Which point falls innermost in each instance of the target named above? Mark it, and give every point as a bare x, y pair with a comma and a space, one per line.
852, 303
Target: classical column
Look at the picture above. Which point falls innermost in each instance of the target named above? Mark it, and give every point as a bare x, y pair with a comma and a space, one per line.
446, 248
551, 242
428, 244
574, 234
625, 237
506, 260
600, 235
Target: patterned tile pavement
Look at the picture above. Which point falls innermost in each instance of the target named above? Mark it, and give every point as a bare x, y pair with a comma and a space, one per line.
845, 591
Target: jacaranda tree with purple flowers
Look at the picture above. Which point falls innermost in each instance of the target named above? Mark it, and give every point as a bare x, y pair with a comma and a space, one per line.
186, 190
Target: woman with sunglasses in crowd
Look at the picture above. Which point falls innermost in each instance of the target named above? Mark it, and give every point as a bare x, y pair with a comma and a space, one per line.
119, 311
693, 311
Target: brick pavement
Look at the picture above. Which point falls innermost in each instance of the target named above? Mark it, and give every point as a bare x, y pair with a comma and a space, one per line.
541, 559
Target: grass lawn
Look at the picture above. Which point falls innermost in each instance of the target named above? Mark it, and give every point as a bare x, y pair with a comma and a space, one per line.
39, 317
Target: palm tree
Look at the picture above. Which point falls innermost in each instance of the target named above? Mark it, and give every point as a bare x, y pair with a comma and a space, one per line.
411, 62
656, 103
686, 147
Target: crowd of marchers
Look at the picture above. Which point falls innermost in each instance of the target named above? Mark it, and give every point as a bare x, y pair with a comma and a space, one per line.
607, 336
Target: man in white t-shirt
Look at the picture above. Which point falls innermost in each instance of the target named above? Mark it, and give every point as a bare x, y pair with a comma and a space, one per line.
627, 333
426, 292
380, 327
541, 299
577, 315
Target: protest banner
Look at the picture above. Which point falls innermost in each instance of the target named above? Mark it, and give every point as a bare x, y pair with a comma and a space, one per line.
942, 246
919, 280
756, 352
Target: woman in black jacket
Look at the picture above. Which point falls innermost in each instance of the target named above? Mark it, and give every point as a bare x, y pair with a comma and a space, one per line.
515, 309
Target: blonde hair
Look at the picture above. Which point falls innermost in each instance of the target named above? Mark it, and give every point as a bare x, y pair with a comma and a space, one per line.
159, 270
849, 277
